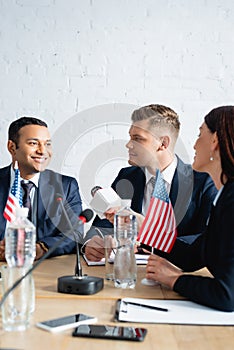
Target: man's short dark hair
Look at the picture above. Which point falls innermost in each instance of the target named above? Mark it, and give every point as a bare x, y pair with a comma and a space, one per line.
159, 116
156, 114
15, 126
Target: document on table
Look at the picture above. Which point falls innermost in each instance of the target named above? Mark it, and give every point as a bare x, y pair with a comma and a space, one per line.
172, 312
141, 259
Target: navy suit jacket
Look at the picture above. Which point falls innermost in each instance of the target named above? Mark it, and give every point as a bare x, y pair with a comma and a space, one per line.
191, 195
215, 250
51, 224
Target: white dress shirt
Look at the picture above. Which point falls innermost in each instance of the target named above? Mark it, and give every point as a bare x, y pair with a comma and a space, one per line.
33, 193
167, 175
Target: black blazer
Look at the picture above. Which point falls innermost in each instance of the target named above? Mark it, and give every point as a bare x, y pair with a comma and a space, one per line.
51, 224
214, 250
191, 195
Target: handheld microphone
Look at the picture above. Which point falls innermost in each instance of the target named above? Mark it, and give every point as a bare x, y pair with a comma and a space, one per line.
78, 284
84, 215
95, 189
104, 199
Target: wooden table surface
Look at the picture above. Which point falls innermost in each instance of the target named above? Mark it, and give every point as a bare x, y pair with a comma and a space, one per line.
51, 304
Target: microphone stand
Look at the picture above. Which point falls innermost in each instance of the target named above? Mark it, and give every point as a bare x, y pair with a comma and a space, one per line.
77, 284
45, 256
78, 268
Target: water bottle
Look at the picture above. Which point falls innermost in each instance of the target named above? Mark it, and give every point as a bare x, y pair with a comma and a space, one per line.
125, 232
20, 238
20, 248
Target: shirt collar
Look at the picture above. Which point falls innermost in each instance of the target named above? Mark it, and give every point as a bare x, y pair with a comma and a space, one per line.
167, 173
34, 179
217, 196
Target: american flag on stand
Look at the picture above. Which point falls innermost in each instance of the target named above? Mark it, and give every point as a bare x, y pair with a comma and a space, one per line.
15, 197
159, 227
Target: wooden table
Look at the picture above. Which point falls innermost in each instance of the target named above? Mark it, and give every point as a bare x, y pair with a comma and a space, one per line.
51, 304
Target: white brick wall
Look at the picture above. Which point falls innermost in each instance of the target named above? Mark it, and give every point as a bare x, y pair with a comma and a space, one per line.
59, 58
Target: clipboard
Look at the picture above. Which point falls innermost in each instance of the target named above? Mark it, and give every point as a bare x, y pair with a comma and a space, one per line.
182, 312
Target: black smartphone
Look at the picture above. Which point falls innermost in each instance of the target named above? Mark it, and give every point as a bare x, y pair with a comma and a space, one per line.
110, 332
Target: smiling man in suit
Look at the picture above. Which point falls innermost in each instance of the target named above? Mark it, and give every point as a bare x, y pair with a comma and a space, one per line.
29, 143
153, 135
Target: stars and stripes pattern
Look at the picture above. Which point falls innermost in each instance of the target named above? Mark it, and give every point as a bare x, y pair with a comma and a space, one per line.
159, 227
15, 197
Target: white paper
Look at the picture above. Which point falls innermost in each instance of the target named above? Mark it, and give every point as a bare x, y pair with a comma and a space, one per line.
141, 259
179, 312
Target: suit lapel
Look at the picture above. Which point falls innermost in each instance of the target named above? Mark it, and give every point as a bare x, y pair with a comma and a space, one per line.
4, 191
181, 189
48, 209
45, 196
138, 182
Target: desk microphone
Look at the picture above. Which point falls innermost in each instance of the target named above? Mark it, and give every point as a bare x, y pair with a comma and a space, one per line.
78, 284
85, 216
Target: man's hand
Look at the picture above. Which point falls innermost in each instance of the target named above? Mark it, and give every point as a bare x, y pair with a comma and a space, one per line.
140, 218
162, 271
94, 249
2, 250
110, 214
39, 251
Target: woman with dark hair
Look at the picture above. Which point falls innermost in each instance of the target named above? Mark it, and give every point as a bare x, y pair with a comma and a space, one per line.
214, 154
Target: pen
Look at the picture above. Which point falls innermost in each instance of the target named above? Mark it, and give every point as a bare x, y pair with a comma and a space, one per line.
146, 306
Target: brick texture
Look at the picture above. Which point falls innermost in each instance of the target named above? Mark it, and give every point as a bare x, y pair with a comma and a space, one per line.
61, 57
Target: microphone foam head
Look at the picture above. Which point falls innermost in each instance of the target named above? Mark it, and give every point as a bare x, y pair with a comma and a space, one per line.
59, 197
87, 214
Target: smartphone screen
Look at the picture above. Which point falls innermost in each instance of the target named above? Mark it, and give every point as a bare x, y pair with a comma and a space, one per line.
110, 332
63, 323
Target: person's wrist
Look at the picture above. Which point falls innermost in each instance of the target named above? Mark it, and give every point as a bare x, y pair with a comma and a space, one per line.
41, 249
2, 256
43, 246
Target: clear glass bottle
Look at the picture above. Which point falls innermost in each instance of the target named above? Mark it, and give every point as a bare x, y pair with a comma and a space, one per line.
125, 232
20, 248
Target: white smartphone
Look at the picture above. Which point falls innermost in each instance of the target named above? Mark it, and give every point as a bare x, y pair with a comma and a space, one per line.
67, 322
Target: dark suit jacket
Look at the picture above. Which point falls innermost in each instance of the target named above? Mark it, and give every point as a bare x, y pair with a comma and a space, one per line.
191, 195
51, 224
214, 250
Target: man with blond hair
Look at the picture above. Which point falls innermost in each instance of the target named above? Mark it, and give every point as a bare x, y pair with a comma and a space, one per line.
153, 136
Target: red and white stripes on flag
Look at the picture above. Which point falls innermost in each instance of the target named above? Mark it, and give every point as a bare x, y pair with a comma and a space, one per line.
159, 227
14, 199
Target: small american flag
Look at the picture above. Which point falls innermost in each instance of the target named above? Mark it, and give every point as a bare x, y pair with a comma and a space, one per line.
159, 227
15, 197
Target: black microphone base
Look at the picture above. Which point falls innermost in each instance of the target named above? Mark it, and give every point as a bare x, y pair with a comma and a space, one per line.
84, 285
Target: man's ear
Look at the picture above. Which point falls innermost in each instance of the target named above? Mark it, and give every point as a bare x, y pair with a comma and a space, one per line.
165, 141
11, 146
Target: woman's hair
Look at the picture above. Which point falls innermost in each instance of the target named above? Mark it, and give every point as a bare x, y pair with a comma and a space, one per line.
221, 121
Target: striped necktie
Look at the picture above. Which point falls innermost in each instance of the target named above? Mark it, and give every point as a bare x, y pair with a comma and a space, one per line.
152, 181
26, 198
